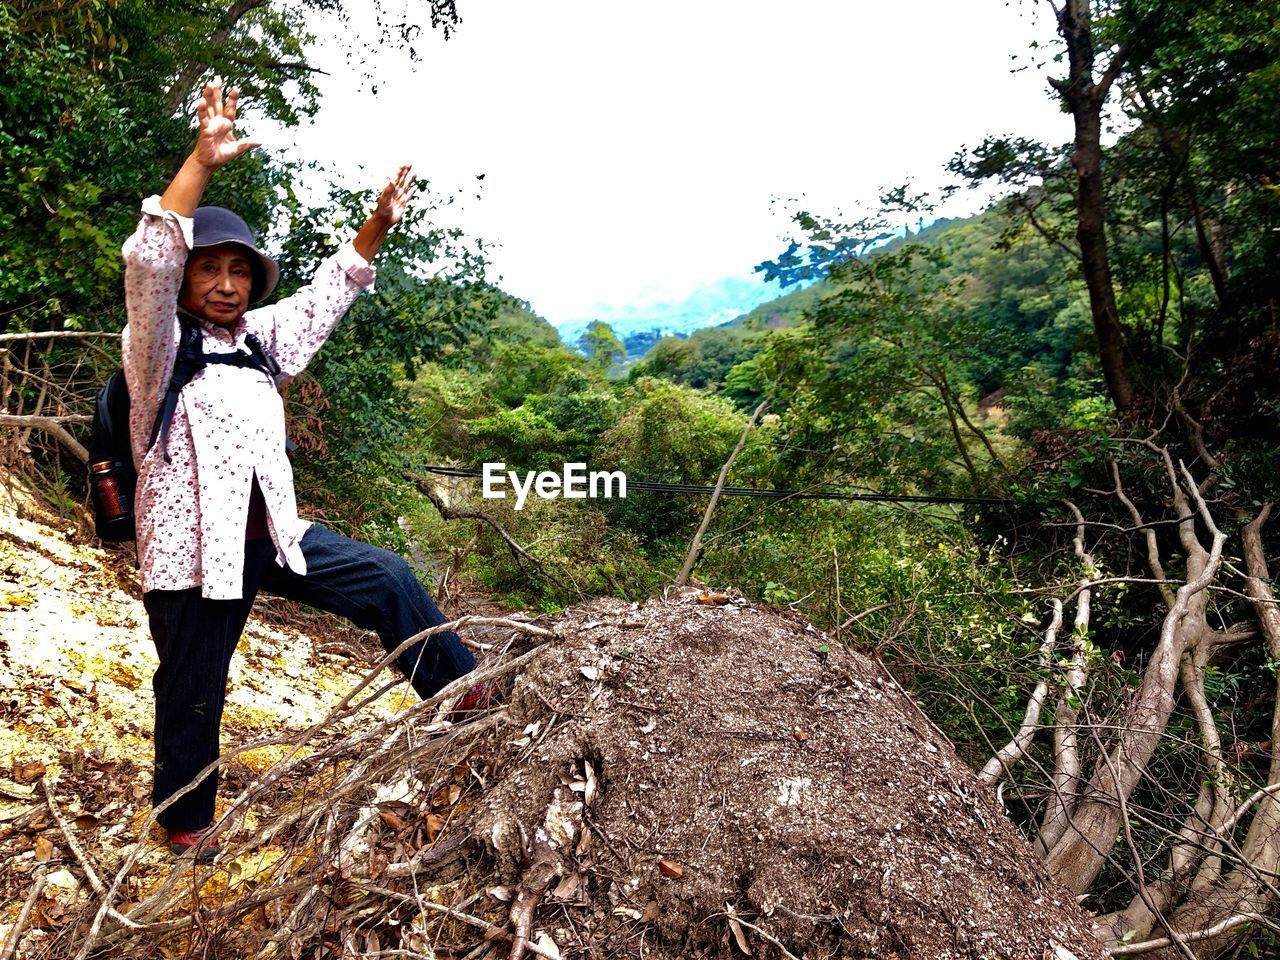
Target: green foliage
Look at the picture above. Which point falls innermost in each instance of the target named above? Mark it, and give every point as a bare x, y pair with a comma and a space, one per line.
417, 312
703, 360
668, 434
603, 346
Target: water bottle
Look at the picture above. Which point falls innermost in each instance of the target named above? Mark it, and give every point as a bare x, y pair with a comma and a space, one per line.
111, 499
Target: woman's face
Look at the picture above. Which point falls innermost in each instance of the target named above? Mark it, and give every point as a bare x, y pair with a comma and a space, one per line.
217, 283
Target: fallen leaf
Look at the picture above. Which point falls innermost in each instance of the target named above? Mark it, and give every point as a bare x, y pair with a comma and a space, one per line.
19, 599
81, 684
670, 869
567, 887
736, 929
651, 912
16, 791
446, 796
44, 849
392, 820
86, 821
590, 672
27, 771
435, 824
548, 946
628, 912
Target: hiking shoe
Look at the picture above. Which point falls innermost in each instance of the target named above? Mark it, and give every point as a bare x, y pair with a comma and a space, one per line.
478, 698
182, 841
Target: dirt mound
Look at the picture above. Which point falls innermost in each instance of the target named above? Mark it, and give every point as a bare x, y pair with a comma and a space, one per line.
679, 779
695, 779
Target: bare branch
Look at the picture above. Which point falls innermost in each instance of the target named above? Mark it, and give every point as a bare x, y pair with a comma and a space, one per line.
452, 513
1077, 856
1067, 768
69, 835
1149, 534
15, 935
998, 766
1192, 676
865, 613
57, 335
1208, 933
53, 427
1139, 872
696, 547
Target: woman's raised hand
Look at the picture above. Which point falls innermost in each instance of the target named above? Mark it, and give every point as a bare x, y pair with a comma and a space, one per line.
395, 196
392, 203
216, 141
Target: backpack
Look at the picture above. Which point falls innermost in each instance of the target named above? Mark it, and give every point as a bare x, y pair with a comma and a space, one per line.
113, 479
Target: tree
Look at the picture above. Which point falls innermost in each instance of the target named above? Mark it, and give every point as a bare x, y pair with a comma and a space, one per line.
602, 345
1085, 96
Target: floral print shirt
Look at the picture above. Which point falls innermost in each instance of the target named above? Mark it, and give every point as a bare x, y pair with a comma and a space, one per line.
229, 424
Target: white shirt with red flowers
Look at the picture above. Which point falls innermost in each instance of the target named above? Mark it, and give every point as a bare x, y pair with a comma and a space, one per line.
229, 424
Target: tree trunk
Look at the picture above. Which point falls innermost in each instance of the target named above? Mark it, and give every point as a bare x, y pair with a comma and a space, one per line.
1213, 249
182, 87
1095, 820
1250, 887
1085, 98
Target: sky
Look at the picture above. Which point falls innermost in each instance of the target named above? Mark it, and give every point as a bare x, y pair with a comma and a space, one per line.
639, 153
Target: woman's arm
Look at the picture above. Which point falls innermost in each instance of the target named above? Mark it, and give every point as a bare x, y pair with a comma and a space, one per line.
296, 327
216, 144
392, 203
156, 254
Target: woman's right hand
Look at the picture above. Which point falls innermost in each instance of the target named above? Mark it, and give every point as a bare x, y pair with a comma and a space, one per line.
216, 141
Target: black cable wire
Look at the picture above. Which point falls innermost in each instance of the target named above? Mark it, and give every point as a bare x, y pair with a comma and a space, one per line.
690, 488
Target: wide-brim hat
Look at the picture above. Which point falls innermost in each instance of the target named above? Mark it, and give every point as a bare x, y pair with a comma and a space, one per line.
214, 225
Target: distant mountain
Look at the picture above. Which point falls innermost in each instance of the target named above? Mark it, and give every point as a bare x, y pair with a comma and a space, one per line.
746, 300
708, 305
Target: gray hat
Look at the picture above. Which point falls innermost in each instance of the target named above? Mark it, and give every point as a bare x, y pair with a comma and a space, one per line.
215, 225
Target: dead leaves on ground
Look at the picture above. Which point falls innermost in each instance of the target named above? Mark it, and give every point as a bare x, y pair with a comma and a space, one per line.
415, 826
27, 771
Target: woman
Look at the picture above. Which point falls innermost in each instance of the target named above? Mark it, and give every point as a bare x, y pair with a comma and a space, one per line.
217, 519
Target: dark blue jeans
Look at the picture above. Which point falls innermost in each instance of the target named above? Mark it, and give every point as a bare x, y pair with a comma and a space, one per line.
196, 638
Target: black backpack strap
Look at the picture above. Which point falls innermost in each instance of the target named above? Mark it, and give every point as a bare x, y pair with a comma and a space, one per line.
267, 361
189, 360
256, 358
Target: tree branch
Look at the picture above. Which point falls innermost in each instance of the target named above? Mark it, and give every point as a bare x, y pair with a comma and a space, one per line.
695, 548
1208, 933
1067, 768
56, 335
452, 513
53, 427
998, 766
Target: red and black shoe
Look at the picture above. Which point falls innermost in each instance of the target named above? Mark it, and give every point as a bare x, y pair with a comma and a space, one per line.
183, 841
478, 699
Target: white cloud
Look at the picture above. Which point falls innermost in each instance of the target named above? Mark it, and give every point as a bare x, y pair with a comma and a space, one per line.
632, 151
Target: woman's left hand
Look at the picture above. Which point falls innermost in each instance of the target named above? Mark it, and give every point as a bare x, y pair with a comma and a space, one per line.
395, 196
392, 203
